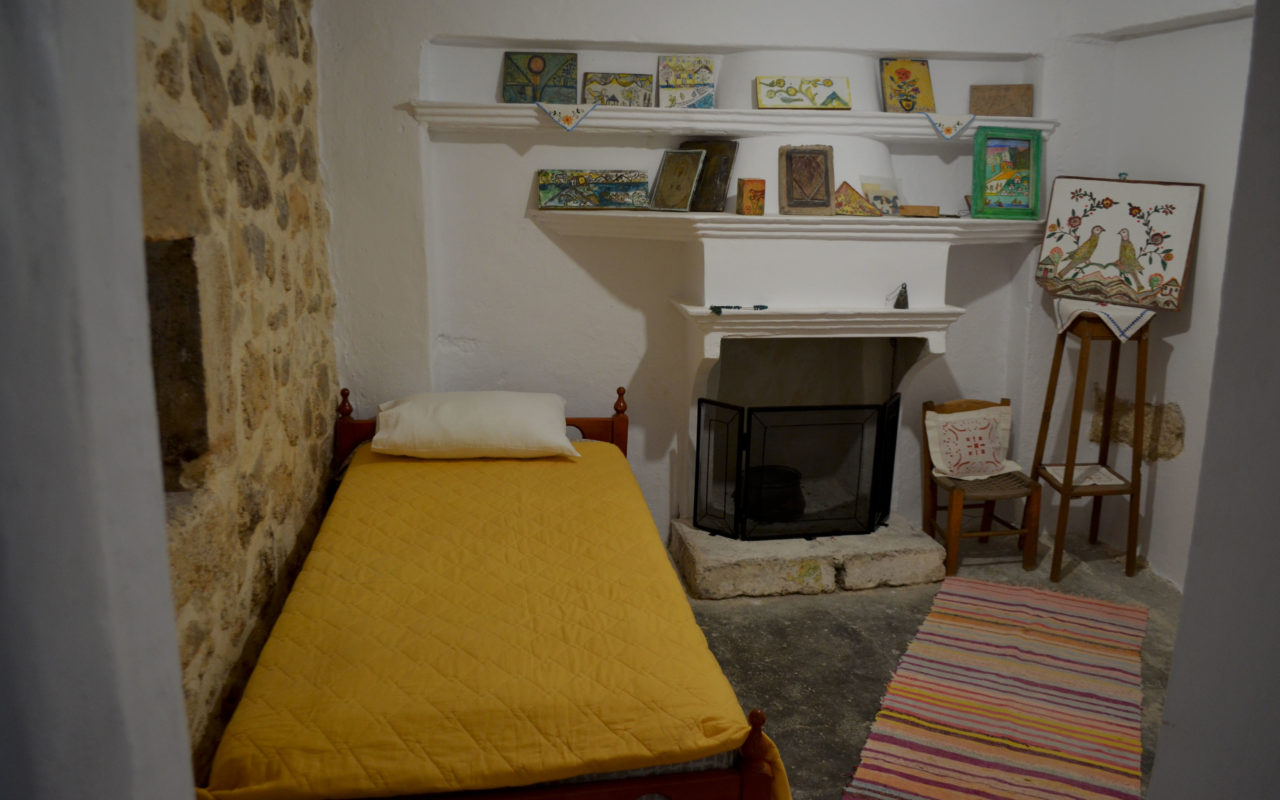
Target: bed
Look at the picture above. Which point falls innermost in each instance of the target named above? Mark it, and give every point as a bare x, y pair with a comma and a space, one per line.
496, 628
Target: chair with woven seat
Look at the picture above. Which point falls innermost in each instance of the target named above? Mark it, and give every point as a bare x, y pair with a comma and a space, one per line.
964, 455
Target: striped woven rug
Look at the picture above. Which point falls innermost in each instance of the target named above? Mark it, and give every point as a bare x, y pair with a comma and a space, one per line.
1011, 692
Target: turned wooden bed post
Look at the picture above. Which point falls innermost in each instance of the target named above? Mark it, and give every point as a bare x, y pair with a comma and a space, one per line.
620, 421
757, 774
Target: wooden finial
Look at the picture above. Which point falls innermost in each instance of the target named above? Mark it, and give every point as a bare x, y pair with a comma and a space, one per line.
344, 408
620, 407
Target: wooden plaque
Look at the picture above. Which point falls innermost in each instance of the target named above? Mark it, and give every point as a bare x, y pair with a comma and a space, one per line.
805, 180
1002, 99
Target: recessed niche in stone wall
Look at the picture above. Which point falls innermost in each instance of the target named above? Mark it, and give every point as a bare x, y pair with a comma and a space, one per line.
176, 357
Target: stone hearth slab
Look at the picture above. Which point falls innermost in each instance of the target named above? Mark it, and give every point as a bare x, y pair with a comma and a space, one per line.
715, 567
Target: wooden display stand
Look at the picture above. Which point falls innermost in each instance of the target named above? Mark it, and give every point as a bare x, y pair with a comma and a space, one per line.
1064, 477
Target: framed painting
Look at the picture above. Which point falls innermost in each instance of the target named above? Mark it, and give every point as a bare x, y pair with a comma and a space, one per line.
905, 86
676, 180
539, 77
1131, 243
587, 189
1006, 173
806, 179
712, 191
686, 82
617, 89
824, 92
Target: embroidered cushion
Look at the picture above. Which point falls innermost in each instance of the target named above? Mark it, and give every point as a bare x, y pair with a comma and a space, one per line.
970, 444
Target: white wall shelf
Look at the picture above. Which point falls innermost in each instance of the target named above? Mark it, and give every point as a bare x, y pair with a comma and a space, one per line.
611, 120
678, 226
929, 323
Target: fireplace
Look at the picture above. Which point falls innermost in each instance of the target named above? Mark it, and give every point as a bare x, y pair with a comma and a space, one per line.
794, 471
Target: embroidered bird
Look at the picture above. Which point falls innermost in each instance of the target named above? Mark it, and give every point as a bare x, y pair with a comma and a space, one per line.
1083, 253
1127, 260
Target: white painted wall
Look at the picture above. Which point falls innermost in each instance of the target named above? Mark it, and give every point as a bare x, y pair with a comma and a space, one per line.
1140, 124
90, 691
1222, 711
444, 282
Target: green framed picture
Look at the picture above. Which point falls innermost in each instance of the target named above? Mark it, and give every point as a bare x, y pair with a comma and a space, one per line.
1006, 173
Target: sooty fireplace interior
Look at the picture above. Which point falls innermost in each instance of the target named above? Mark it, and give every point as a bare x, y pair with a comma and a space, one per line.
794, 471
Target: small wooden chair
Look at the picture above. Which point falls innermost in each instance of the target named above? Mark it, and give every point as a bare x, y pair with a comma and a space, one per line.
979, 493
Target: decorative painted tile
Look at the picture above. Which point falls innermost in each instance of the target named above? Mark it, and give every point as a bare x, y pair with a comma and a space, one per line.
883, 194
805, 179
850, 203
676, 179
751, 196
545, 77
686, 82
905, 85
820, 92
593, 189
713, 184
617, 89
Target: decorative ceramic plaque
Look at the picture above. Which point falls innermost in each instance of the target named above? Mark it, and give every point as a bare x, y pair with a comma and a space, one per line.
593, 189
820, 92
617, 89
545, 77
1125, 242
686, 82
905, 85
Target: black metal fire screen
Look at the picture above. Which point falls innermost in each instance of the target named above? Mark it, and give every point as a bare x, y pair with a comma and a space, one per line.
794, 471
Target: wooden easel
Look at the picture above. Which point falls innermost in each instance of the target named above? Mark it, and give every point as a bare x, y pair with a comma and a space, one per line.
1088, 327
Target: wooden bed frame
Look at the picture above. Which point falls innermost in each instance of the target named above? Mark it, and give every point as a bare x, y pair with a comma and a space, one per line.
751, 779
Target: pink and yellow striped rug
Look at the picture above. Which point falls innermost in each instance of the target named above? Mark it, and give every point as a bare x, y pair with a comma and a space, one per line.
1011, 692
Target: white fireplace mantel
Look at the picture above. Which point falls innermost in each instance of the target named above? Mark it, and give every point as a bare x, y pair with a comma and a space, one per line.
929, 324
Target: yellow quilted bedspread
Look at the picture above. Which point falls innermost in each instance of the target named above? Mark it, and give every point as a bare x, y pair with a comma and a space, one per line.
475, 624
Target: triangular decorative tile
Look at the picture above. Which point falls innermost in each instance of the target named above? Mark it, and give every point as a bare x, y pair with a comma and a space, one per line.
851, 203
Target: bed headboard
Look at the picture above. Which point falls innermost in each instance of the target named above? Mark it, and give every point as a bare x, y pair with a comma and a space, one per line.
349, 432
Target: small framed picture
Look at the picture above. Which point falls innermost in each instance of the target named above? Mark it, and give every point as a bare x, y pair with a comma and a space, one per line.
1006, 173
905, 85
676, 179
806, 179
882, 192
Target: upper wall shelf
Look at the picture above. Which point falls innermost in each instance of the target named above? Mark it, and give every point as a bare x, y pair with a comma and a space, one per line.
475, 117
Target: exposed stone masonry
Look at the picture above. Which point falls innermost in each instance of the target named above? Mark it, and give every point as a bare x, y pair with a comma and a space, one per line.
227, 132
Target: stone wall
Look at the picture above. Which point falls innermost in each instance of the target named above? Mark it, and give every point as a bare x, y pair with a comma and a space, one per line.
227, 128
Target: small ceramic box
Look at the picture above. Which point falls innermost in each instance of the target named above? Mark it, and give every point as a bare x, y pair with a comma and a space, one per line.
751, 196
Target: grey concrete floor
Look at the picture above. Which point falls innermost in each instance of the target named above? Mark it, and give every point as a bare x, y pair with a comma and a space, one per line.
818, 665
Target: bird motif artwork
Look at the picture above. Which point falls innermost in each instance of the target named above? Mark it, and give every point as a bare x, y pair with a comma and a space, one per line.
1127, 260
1081, 255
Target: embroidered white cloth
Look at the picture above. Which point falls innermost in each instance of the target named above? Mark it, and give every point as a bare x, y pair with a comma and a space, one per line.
566, 115
1124, 321
948, 126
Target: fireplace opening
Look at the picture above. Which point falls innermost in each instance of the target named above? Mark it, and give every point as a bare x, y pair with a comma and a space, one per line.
794, 471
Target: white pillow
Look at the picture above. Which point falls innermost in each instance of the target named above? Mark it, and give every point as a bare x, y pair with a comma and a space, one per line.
473, 425
970, 444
